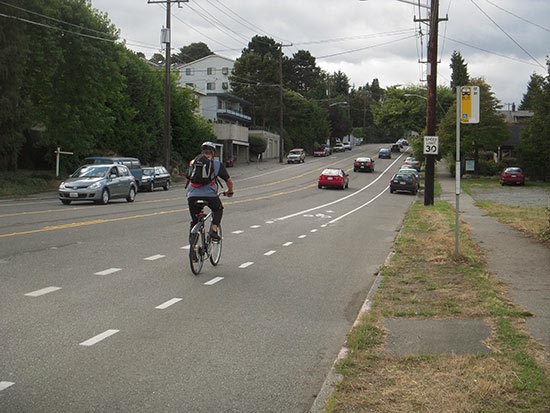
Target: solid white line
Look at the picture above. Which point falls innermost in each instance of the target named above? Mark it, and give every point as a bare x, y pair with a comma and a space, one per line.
302, 236
42, 291
255, 226
359, 207
109, 271
213, 281
340, 199
154, 257
186, 247
237, 232
286, 244
314, 230
168, 303
246, 264
268, 253
5, 384
99, 337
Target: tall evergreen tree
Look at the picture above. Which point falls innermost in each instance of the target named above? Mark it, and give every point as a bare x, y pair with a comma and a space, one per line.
534, 88
459, 75
192, 52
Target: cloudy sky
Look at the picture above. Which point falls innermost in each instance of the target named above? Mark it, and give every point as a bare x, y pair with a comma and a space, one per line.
503, 41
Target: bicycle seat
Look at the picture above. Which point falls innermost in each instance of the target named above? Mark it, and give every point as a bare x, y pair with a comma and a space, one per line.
202, 202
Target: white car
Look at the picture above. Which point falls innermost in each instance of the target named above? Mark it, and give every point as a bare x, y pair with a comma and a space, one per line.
347, 146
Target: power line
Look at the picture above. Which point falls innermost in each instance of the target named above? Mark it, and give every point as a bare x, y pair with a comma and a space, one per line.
515, 15
510, 37
365, 48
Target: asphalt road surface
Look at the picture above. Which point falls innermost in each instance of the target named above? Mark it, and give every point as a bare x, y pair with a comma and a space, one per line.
100, 311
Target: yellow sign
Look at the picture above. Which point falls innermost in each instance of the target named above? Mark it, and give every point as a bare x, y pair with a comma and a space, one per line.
469, 104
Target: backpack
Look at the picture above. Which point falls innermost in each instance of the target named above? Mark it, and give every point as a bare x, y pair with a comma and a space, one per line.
202, 171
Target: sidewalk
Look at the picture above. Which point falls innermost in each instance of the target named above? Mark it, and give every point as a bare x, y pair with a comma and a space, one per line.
520, 262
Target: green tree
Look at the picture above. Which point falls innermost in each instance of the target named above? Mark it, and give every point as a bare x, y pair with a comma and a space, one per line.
192, 52
534, 89
459, 69
340, 84
302, 73
157, 59
487, 134
534, 150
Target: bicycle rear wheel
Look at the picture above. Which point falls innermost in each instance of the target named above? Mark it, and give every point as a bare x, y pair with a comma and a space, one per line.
196, 256
216, 248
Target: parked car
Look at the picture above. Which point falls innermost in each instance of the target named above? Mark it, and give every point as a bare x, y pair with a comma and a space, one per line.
155, 177
328, 148
404, 182
411, 170
339, 147
333, 177
403, 142
396, 148
98, 183
347, 146
320, 152
384, 153
411, 161
512, 176
297, 155
363, 164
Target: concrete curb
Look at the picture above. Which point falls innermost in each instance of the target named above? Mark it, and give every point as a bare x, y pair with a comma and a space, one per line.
333, 377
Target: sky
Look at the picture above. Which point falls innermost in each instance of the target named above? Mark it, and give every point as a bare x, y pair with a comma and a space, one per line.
502, 41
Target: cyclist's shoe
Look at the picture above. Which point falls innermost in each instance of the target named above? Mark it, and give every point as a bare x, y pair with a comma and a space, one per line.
214, 236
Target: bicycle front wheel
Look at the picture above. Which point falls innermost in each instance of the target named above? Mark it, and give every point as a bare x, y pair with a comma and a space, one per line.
216, 248
196, 256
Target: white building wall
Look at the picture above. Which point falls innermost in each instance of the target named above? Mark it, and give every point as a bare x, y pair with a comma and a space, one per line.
197, 74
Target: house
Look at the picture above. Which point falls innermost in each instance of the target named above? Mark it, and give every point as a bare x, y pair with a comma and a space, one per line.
209, 78
515, 119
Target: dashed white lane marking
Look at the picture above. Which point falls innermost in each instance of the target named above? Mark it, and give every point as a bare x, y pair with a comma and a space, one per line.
268, 253
269, 222
308, 215
168, 303
255, 226
154, 257
99, 337
42, 291
109, 271
186, 247
237, 232
5, 384
286, 244
314, 230
330, 211
302, 236
324, 225
246, 264
213, 281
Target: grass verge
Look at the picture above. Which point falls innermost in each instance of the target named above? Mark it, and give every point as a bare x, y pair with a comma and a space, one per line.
25, 182
426, 280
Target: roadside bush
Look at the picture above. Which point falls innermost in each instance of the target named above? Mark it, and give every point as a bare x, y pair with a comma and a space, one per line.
488, 167
506, 162
257, 144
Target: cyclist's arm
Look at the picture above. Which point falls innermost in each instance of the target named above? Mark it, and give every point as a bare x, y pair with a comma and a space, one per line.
223, 174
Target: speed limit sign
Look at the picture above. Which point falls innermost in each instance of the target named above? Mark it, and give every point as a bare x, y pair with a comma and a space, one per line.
431, 145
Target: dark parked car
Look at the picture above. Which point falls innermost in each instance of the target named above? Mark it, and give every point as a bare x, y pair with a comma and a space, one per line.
321, 152
363, 164
98, 183
155, 177
404, 182
384, 153
333, 177
512, 176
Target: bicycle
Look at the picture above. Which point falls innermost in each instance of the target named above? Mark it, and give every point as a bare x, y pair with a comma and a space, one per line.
201, 246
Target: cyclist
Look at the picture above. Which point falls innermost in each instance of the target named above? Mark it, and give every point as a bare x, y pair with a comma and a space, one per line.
209, 192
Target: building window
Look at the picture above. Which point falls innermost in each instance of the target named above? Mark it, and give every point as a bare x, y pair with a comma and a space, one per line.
211, 86
210, 70
189, 71
225, 70
191, 85
225, 85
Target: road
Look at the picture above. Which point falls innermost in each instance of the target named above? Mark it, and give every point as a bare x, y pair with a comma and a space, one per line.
100, 311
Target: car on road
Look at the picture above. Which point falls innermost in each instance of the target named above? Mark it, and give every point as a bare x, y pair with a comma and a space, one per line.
403, 142
411, 161
133, 164
384, 153
98, 183
512, 176
155, 177
333, 177
396, 148
297, 155
363, 164
347, 146
404, 182
321, 152
410, 170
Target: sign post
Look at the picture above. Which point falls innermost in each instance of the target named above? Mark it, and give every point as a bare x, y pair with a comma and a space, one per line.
57, 153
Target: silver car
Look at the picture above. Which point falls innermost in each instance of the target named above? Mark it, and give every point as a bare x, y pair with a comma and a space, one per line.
98, 183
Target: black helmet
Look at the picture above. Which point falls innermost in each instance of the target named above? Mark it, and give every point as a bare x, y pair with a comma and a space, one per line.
208, 146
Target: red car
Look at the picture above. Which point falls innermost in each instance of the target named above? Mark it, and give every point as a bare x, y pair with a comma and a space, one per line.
333, 177
512, 176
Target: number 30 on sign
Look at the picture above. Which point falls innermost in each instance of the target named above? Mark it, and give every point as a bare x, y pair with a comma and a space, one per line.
431, 145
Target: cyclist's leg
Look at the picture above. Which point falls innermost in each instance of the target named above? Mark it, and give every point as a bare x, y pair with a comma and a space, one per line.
217, 213
194, 211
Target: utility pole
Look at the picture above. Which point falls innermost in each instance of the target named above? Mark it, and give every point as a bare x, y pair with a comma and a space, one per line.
165, 38
281, 138
429, 172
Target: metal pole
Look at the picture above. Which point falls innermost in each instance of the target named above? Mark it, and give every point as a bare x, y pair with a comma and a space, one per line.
281, 139
167, 91
58, 154
457, 172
